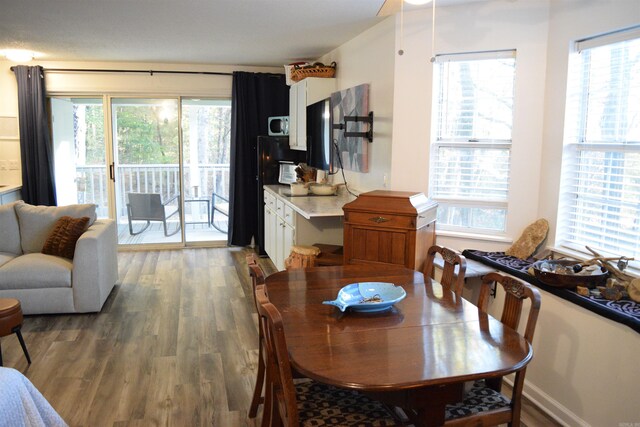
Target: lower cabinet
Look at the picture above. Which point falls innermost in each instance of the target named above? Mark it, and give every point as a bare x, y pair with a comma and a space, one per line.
285, 227
279, 233
270, 226
285, 237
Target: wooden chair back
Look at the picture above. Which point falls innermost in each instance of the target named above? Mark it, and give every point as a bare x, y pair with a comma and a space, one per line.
255, 271
280, 400
257, 279
451, 260
516, 292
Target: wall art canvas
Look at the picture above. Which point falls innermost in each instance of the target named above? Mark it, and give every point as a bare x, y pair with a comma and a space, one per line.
353, 151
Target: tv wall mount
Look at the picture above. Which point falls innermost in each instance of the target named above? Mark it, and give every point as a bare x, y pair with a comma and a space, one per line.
357, 119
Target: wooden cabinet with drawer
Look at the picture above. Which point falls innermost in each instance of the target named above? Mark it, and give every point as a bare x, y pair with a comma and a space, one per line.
389, 227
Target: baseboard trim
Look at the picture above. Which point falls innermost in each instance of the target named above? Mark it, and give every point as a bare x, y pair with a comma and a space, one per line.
549, 405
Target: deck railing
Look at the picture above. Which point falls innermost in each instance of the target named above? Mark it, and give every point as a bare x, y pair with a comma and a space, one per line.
162, 179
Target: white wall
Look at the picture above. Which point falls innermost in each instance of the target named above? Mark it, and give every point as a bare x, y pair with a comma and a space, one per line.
584, 370
482, 26
9, 147
587, 364
579, 356
369, 58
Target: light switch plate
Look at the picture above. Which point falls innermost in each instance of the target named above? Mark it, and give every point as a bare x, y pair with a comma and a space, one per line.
13, 165
4, 164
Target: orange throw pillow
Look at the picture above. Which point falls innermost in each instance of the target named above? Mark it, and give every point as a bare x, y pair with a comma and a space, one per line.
62, 239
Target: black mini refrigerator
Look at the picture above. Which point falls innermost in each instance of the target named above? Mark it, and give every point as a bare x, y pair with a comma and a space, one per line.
271, 151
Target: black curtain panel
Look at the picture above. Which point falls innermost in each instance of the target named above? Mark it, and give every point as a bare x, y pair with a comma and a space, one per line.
255, 97
36, 151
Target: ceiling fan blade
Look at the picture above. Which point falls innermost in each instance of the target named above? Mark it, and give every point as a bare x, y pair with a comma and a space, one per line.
390, 7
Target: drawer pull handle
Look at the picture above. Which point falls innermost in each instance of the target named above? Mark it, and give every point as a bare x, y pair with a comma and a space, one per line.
379, 219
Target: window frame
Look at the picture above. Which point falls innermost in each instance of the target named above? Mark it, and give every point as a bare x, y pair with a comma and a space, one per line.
438, 142
576, 143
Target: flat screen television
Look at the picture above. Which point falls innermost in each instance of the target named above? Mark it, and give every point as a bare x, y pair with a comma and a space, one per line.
319, 133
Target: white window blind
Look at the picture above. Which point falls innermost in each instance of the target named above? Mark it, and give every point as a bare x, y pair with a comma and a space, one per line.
469, 173
600, 195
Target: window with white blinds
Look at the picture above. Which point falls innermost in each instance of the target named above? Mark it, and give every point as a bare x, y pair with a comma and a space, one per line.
470, 156
600, 192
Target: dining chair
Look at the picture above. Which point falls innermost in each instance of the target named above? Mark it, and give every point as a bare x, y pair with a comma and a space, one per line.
307, 403
257, 278
484, 404
450, 279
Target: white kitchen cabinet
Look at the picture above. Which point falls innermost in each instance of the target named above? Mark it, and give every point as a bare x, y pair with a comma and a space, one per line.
270, 224
301, 94
269, 231
285, 226
287, 237
279, 233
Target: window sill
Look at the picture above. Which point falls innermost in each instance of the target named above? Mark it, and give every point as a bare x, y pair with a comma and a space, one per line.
623, 311
474, 236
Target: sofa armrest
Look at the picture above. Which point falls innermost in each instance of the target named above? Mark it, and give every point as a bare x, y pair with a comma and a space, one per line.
95, 266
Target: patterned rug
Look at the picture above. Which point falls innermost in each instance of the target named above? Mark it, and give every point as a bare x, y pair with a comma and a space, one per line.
624, 311
324, 405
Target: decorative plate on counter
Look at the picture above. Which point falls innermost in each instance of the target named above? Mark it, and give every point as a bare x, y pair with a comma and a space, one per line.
368, 296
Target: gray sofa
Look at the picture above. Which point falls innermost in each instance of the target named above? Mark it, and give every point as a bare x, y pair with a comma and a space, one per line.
51, 284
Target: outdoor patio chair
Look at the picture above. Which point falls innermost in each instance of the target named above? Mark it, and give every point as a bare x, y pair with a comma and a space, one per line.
150, 207
220, 204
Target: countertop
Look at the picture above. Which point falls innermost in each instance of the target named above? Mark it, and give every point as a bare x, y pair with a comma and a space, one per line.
9, 188
312, 206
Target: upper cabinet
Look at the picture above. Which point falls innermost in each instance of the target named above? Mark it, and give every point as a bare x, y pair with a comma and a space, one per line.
301, 94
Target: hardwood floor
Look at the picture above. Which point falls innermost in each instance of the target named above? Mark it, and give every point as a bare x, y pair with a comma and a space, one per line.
175, 344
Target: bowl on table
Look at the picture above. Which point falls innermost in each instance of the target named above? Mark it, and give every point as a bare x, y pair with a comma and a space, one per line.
368, 296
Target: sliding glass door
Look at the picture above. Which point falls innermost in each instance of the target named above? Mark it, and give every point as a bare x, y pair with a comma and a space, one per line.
159, 166
80, 153
145, 134
206, 127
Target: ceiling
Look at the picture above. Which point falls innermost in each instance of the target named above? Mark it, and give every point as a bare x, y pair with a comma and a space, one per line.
233, 32
238, 32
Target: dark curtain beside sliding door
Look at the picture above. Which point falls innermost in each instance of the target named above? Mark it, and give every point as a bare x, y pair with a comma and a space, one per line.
36, 151
255, 97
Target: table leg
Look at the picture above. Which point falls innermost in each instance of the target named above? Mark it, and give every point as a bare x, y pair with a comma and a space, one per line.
424, 406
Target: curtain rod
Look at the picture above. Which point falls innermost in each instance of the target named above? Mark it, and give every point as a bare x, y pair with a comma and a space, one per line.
150, 72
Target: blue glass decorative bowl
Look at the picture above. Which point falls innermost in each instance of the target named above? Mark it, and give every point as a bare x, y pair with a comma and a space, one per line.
368, 296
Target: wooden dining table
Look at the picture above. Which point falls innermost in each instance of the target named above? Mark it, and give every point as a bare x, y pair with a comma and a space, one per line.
416, 356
